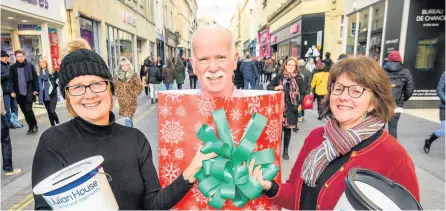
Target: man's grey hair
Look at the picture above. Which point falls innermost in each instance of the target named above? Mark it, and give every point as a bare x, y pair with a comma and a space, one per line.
212, 26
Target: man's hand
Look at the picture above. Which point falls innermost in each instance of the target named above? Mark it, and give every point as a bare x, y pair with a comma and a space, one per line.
35, 93
196, 164
257, 175
278, 88
13, 95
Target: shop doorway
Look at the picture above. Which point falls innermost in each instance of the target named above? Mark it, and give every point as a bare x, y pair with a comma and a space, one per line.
32, 46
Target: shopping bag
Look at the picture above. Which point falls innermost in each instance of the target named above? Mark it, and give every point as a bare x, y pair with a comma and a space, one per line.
307, 102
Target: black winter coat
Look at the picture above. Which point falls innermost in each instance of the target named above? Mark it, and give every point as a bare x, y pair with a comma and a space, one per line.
290, 112
154, 75
400, 94
6, 78
32, 85
238, 76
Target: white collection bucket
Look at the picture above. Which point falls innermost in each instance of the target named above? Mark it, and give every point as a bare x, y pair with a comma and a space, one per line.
80, 186
368, 190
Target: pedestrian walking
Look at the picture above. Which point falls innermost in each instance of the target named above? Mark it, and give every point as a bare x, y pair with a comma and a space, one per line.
128, 87
159, 63
288, 81
268, 69
154, 78
48, 89
279, 65
85, 83
12, 110
440, 132
238, 76
402, 84
192, 76
319, 82
250, 73
8, 168
25, 89
359, 104
180, 73
307, 76
327, 61
169, 74
143, 72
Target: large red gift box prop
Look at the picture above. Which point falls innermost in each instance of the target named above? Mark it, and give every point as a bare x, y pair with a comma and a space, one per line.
181, 113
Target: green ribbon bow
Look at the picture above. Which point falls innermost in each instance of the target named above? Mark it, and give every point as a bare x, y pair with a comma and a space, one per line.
224, 177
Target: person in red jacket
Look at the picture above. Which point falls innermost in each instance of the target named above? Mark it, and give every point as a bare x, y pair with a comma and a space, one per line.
358, 104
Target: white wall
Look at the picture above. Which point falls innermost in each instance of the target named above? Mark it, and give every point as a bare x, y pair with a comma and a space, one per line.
354, 5
55, 11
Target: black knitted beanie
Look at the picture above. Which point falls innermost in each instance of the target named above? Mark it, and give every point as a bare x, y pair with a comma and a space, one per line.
82, 62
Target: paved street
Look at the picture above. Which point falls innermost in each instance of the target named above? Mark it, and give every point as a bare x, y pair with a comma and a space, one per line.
430, 168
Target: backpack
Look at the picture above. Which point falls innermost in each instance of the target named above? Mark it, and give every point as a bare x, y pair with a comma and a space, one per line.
398, 84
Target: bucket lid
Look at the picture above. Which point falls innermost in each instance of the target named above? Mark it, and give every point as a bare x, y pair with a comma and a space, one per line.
67, 175
358, 198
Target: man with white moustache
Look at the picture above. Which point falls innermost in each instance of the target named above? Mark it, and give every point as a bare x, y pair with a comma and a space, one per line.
214, 60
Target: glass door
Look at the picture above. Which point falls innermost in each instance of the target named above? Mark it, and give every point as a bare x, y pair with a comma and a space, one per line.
32, 46
6, 45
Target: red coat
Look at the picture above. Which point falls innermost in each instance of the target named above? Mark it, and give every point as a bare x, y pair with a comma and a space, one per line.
385, 156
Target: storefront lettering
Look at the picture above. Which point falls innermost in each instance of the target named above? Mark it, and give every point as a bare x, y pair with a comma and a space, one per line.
129, 19
294, 28
431, 15
42, 3
392, 41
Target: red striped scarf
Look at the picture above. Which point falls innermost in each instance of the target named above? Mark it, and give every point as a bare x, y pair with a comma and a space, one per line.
337, 142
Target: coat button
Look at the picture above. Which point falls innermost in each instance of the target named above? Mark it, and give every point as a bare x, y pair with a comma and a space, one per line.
353, 154
341, 169
317, 206
326, 185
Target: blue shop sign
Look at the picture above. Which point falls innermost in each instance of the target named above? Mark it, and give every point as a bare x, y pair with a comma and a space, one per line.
27, 27
42, 3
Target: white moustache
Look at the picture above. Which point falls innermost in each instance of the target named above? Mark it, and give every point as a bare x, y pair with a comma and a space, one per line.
214, 75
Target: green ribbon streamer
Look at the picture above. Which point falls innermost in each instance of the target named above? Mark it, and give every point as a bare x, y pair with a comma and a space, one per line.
224, 177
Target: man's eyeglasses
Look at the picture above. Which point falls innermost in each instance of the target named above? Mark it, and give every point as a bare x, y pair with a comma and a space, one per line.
95, 87
354, 91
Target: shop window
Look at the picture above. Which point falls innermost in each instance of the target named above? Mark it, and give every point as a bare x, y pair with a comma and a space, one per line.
152, 49
32, 46
351, 33
89, 32
6, 45
378, 16
426, 52
119, 44
362, 32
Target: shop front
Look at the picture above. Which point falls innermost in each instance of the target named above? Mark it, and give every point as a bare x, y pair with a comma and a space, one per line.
415, 28
264, 42
33, 27
120, 44
160, 47
171, 44
286, 41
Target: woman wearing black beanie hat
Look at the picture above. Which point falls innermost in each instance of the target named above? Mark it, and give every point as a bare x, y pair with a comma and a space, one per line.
85, 83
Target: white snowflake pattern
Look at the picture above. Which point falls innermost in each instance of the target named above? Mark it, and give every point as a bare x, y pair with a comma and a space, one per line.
206, 105
199, 197
164, 152
253, 105
272, 130
174, 97
179, 153
235, 114
165, 110
260, 206
197, 126
169, 172
272, 97
181, 111
172, 132
194, 207
234, 133
275, 207
269, 110
247, 207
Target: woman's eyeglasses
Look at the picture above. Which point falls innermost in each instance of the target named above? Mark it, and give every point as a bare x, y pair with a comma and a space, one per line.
354, 91
95, 87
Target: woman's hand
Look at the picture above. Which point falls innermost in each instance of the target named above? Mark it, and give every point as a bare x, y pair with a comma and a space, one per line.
196, 164
278, 88
257, 175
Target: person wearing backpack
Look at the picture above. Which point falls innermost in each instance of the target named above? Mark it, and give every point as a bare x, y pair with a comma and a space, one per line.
402, 84
319, 83
154, 77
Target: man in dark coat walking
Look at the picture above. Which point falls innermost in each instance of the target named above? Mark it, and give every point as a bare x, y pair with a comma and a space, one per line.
25, 88
250, 73
10, 102
402, 84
